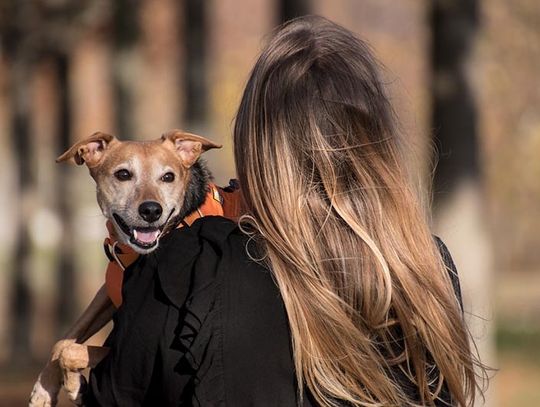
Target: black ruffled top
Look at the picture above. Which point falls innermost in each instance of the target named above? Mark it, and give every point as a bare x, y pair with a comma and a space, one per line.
201, 324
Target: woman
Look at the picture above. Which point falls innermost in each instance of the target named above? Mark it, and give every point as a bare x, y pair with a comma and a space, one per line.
333, 290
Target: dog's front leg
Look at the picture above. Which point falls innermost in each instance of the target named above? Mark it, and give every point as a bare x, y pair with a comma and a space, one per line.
49, 382
95, 316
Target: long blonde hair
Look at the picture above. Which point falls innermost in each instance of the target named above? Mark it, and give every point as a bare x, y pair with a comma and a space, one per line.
366, 291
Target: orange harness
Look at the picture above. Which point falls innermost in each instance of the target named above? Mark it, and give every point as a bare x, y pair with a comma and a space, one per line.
218, 202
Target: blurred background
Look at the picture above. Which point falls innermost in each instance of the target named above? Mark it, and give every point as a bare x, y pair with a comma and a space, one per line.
464, 78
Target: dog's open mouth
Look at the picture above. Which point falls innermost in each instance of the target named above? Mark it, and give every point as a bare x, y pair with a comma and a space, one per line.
143, 237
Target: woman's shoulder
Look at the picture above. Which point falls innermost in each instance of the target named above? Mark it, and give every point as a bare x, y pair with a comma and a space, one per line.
216, 229
230, 260
235, 256
213, 249
226, 239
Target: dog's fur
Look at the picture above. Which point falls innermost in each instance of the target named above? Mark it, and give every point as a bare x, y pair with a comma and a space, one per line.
128, 175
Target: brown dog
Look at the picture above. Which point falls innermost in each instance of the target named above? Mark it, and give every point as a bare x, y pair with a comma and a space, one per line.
144, 189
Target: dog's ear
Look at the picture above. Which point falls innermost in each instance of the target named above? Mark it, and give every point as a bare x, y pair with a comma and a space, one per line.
89, 151
188, 146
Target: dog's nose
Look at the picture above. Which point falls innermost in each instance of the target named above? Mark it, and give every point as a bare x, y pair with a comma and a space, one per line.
150, 211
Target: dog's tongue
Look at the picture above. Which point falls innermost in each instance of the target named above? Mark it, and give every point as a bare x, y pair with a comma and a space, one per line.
146, 236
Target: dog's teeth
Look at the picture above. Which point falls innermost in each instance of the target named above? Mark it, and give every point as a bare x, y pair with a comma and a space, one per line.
135, 233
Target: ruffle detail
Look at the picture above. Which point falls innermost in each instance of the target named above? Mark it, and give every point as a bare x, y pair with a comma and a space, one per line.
191, 283
194, 332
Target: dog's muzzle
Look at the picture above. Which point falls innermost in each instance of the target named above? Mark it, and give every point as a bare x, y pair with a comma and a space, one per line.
143, 237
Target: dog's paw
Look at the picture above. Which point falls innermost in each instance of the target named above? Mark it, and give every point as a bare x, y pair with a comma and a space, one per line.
42, 397
60, 346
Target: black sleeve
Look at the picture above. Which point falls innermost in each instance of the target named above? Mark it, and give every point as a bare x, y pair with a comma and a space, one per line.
452, 270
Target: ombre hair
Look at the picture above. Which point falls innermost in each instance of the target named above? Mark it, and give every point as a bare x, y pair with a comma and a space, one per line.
367, 294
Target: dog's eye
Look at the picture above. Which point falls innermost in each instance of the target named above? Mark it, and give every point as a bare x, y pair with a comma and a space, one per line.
168, 177
123, 175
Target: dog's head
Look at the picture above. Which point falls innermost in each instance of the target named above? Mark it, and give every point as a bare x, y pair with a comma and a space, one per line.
140, 185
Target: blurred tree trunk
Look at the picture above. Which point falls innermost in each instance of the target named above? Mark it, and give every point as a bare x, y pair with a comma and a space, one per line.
66, 279
17, 46
454, 26
195, 80
158, 59
126, 33
21, 291
458, 190
290, 9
